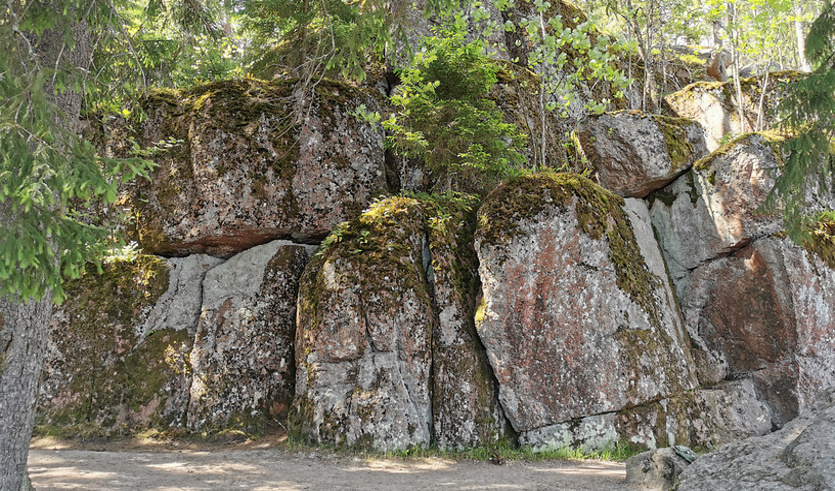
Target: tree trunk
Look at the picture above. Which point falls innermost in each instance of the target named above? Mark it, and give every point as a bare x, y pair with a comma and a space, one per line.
23, 335
800, 33
24, 326
716, 64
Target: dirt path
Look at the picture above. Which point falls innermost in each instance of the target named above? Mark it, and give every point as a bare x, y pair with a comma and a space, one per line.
278, 469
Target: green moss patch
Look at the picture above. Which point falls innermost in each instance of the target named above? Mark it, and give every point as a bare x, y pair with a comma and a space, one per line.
821, 239
599, 214
115, 380
675, 137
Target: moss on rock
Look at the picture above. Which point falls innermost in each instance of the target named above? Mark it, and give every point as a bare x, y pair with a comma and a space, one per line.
821, 239
675, 136
110, 379
599, 214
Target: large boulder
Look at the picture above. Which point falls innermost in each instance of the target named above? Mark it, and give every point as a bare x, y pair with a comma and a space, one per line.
371, 302
657, 470
713, 105
801, 456
251, 163
243, 365
577, 316
634, 154
716, 208
106, 372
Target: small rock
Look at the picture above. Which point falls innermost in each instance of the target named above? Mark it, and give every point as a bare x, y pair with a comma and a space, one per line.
658, 469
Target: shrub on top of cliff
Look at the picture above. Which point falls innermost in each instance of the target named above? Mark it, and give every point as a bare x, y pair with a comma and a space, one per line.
445, 118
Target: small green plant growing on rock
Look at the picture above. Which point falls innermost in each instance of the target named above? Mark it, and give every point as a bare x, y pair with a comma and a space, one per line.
445, 118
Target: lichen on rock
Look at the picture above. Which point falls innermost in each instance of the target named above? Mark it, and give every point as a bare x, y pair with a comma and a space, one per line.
243, 357
574, 321
384, 307
247, 170
634, 154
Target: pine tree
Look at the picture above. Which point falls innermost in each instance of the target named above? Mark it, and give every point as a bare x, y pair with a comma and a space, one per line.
45, 168
807, 113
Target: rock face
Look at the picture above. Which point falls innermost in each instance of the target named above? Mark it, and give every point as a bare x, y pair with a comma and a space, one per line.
190, 342
243, 357
801, 456
711, 104
246, 172
755, 306
765, 312
575, 316
103, 372
635, 154
714, 209
364, 342
557, 314
465, 407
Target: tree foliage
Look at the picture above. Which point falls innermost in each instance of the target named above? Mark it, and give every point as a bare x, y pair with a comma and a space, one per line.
46, 169
807, 112
298, 37
445, 117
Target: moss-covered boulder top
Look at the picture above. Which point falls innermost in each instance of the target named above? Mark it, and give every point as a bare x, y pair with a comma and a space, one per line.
711, 104
575, 316
254, 161
634, 154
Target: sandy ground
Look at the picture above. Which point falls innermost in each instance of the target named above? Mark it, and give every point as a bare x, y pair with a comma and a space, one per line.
55, 468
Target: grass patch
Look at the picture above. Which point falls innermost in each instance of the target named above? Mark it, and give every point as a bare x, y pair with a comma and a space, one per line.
617, 452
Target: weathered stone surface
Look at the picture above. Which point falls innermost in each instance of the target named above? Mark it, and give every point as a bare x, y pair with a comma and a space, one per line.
714, 209
180, 306
243, 357
465, 408
655, 470
576, 318
704, 418
711, 104
104, 376
363, 344
386, 306
724, 413
247, 172
801, 456
634, 154
765, 312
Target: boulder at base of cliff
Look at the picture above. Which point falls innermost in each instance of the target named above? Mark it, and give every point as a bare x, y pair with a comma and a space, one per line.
801, 457
364, 344
250, 168
634, 154
117, 361
577, 314
243, 358
657, 470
